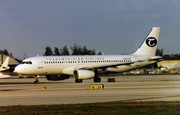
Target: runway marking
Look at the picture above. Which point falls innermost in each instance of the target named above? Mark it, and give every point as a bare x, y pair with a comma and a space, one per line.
152, 98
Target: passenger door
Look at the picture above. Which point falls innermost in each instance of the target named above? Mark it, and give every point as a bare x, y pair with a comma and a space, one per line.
40, 63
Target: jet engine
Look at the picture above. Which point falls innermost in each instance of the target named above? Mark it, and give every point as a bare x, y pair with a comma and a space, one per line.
83, 74
57, 77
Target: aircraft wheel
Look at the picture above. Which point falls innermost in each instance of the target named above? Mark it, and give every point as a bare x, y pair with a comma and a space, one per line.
36, 82
78, 80
97, 79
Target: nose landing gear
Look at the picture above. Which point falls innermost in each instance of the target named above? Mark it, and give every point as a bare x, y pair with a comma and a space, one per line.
36, 79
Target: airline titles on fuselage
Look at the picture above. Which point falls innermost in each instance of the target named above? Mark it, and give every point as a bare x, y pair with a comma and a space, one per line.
50, 60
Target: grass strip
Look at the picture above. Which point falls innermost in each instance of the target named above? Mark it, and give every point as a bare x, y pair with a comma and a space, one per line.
108, 108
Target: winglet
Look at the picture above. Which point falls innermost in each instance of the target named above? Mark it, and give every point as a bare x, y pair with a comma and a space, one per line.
149, 45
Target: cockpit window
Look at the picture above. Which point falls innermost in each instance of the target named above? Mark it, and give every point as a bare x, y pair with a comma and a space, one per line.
26, 62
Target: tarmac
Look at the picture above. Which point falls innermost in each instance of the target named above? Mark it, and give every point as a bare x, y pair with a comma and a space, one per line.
22, 91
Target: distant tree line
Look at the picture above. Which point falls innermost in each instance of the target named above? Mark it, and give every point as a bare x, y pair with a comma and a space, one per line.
5, 52
76, 50
159, 52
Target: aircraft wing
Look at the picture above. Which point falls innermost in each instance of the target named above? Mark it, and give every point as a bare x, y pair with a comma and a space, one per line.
108, 65
2, 75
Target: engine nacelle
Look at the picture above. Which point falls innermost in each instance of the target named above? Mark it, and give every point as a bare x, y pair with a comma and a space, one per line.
57, 77
83, 74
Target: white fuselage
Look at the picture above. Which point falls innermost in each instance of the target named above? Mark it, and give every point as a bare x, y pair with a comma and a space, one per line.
56, 65
86, 67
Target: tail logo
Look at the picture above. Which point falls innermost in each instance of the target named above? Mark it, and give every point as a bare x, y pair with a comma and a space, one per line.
151, 42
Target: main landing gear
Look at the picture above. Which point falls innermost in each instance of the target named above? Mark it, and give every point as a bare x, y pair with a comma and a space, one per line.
96, 78
78, 80
36, 79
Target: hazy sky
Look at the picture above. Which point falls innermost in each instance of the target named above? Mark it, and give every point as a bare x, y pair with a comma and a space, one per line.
109, 26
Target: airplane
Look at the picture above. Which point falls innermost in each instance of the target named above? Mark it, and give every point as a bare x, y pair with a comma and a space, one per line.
5, 65
87, 67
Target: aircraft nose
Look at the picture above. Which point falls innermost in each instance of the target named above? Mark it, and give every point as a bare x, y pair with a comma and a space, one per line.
17, 69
